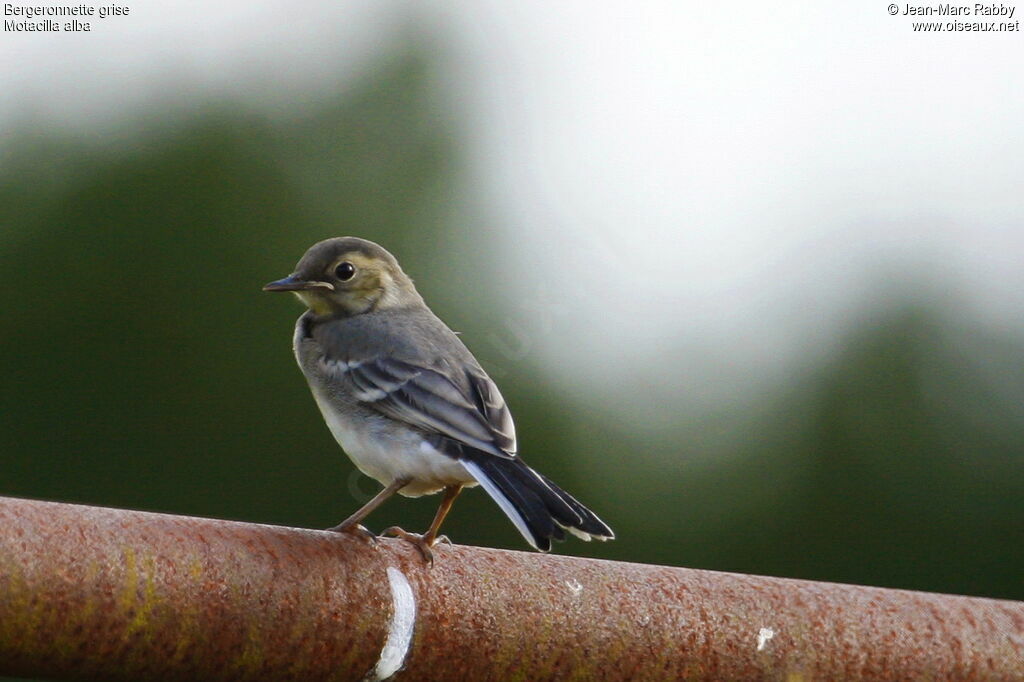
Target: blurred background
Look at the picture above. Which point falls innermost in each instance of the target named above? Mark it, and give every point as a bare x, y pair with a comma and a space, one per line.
749, 277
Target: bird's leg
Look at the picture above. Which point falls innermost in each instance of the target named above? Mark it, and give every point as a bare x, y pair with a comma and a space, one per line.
424, 542
431, 537
351, 524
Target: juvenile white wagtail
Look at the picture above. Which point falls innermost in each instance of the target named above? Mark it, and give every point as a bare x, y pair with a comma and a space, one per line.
407, 400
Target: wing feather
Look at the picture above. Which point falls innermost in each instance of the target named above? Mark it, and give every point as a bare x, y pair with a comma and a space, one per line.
474, 414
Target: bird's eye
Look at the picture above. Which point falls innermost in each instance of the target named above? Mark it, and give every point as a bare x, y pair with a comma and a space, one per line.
345, 271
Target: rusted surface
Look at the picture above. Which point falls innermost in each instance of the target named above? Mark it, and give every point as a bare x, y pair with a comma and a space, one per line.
94, 593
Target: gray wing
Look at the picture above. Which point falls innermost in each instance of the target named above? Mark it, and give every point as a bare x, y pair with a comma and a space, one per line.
467, 409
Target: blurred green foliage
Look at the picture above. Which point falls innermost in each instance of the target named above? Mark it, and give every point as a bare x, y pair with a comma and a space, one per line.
142, 367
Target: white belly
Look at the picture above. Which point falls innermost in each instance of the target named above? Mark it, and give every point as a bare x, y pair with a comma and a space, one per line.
382, 454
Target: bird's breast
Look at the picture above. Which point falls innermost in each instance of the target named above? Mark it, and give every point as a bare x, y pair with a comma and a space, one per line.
386, 449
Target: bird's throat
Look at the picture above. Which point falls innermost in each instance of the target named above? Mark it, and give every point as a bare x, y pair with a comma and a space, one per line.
317, 304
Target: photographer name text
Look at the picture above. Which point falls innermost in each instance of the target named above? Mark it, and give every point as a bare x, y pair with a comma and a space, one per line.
951, 10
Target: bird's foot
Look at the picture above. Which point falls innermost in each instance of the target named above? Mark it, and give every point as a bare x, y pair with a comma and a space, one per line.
357, 529
422, 542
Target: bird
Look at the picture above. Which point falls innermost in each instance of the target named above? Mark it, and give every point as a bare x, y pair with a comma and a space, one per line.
409, 403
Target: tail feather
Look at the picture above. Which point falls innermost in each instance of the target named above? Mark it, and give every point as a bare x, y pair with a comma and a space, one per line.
589, 523
538, 508
519, 518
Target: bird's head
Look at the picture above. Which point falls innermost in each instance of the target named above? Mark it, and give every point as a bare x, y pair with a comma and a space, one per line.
348, 276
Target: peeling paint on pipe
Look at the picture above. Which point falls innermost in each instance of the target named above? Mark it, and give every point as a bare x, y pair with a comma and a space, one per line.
96, 593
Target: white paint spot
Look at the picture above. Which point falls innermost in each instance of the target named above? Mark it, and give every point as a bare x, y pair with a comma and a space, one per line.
763, 635
403, 621
575, 586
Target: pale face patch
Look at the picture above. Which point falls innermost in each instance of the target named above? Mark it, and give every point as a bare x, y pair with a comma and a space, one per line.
314, 301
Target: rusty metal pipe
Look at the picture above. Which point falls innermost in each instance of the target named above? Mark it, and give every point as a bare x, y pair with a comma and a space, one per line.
96, 593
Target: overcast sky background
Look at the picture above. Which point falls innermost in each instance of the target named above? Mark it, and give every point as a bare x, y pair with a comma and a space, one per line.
726, 178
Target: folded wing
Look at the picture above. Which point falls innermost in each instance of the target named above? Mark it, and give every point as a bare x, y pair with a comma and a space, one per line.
472, 414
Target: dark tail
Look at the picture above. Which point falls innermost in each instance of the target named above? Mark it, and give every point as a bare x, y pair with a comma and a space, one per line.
538, 508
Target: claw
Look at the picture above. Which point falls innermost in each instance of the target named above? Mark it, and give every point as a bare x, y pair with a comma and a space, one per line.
357, 530
421, 542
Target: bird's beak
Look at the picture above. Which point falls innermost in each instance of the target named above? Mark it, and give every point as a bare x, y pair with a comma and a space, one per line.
293, 283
